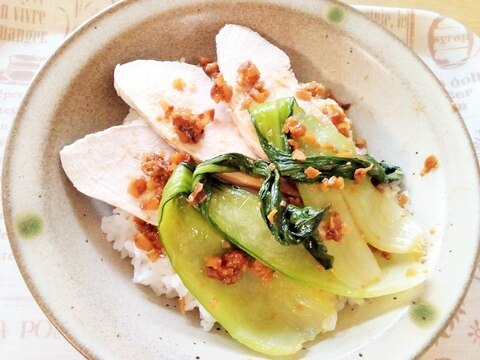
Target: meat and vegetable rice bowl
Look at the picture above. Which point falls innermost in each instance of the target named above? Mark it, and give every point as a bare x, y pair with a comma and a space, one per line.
245, 194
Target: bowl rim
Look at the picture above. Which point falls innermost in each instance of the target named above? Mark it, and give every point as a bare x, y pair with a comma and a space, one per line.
119, 6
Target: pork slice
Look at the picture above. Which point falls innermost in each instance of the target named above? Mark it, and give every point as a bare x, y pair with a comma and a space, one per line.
102, 165
147, 85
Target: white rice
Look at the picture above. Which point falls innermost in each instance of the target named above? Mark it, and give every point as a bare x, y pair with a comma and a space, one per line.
159, 275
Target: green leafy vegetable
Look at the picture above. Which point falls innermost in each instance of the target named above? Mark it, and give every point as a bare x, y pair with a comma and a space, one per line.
290, 225
229, 163
355, 272
390, 228
279, 151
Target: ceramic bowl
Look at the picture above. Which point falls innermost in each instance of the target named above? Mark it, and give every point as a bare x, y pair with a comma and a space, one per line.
86, 289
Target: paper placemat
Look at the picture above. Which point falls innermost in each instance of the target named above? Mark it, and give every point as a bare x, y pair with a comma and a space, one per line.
30, 30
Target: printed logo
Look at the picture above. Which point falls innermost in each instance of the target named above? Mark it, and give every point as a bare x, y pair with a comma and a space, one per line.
450, 43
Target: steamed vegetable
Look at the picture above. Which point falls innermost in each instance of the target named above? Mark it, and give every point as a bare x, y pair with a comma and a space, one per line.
289, 224
269, 118
384, 223
369, 215
356, 267
272, 317
380, 219
355, 264
236, 213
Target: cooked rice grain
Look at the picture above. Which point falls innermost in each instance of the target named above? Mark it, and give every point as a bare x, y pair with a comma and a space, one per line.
160, 276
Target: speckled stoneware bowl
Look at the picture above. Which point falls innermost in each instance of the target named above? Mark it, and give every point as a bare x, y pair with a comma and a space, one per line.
79, 280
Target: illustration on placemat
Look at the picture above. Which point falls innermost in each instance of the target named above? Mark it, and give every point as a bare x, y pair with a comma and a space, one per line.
76, 12
20, 69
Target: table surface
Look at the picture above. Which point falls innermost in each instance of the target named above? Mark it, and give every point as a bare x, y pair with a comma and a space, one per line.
465, 11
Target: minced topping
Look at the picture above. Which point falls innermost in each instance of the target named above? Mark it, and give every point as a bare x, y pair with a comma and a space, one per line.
332, 182
360, 174
181, 305
147, 239
312, 90
402, 199
226, 244
156, 166
227, 268
137, 186
294, 144
189, 127
177, 158
178, 84
294, 128
299, 155
360, 143
263, 272
249, 82
209, 66
271, 215
311, 172
338, 119
151, 203
221, 91
249, 75
332, 228
157, 169
258, 94
430, 163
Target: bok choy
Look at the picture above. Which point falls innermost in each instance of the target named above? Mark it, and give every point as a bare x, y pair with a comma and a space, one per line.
290, 224
370, 216
272, 317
